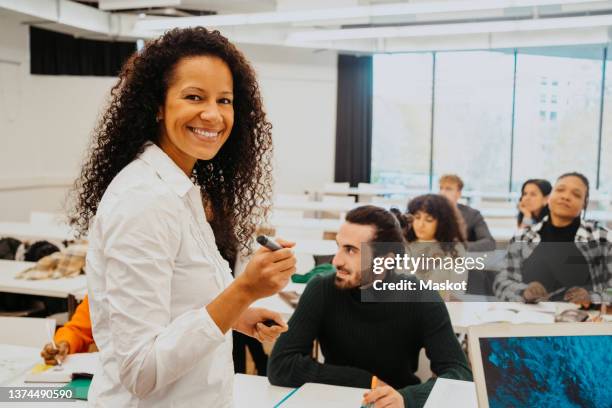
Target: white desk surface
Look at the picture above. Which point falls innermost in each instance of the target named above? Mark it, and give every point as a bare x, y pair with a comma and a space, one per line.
333, 225
18, 381
330, 206
60, 288
382, 190
27, 231
324, 224
461, 393
250, 391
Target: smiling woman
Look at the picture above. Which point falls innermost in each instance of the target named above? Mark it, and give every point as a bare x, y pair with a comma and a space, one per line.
198, 114
169, 193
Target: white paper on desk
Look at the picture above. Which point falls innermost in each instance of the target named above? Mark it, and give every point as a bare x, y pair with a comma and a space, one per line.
325, 396
74, 363
452, 393
510, 316
16, 360
542, 307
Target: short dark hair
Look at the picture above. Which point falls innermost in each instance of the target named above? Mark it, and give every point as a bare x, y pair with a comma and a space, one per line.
388, 225
584, 179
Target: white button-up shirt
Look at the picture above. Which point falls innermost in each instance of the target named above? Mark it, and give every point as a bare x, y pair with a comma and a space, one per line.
152, 267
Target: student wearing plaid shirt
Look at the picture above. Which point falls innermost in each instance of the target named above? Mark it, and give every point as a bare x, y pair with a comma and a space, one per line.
536, 271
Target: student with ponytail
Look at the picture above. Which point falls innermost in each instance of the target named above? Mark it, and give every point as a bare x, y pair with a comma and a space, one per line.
533, 204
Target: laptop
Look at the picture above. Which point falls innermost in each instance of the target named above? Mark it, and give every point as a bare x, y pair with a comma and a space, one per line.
558, 365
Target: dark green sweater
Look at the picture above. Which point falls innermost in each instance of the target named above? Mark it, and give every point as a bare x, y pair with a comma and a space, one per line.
360, 340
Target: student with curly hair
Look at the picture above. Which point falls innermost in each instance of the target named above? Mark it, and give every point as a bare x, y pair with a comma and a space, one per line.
436, 233
176, 179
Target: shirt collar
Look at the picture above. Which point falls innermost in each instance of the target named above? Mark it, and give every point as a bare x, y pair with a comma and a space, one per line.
166, 169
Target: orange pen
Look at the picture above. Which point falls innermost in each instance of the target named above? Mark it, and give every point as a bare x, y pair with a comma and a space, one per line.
374, 382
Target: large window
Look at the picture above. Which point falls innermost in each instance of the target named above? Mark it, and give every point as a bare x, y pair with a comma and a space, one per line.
473, 118
499, 117
401, 128
557, 113
605, 168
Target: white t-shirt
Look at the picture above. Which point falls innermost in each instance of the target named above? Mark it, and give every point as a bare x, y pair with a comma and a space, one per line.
152, 267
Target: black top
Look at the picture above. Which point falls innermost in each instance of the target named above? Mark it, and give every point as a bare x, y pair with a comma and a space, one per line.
360, 340
557, 262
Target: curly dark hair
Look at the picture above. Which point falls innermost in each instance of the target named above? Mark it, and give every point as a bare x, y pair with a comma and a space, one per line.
450, 230
236, 184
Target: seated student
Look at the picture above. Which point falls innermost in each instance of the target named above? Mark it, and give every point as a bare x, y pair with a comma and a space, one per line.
74, 337
362, 339
435, 232
533, 204
562, 253
477, 233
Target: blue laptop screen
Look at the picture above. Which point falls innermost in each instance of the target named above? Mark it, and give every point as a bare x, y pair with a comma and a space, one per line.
556, 371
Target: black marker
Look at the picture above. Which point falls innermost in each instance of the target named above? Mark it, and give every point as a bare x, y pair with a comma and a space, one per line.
272, 246
268, 243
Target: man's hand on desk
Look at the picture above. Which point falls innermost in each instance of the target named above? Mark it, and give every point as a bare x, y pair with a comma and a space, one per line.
383, 396
51, 355
533, 292
251, 323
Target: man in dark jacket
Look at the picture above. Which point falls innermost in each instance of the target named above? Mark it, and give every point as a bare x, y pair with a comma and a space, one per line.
477, 233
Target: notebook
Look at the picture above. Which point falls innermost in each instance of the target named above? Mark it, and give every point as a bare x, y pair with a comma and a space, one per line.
463, 394
324, 396
74, 363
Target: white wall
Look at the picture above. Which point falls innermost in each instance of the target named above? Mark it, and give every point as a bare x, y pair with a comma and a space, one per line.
46, 121
299, 91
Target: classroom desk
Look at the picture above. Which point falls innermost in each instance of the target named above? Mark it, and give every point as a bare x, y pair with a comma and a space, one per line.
20, 361
500, 234
473, 195
35, 232
462, 314
328, 206
58, 288
323, 224
250, 391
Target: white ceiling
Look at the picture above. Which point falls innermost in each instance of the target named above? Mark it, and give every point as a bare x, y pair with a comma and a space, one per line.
348, 25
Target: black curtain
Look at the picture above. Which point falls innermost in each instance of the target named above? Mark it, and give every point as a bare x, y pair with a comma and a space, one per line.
354, 119
53, 53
